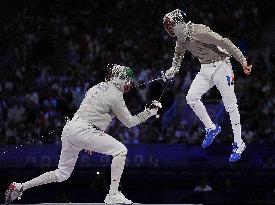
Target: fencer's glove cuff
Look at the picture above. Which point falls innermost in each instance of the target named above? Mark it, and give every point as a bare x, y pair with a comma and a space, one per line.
150, 111
169, 74
143, 116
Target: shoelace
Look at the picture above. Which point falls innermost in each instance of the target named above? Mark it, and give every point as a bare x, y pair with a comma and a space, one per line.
235, 147
207, 130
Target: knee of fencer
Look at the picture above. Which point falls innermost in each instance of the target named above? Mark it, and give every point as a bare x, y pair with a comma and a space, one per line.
123, 151
191, 100
62, 175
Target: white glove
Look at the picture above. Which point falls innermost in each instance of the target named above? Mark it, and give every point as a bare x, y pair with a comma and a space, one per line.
150, 111
154, 107
169, 74
156, 104
154, 111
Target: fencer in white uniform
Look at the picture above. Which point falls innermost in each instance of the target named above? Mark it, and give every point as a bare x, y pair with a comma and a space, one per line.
213, 51
86, 130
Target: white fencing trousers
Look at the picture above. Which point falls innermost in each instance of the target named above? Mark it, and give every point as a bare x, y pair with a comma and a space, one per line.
78, 134
221, 75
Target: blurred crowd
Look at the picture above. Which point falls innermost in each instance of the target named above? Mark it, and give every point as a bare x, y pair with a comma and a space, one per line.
52, 54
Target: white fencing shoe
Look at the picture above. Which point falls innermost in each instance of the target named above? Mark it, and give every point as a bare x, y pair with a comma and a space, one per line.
14, 192
117, 198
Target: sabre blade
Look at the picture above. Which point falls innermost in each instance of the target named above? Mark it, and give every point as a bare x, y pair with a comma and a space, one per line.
163, 91
162, 94
150, 81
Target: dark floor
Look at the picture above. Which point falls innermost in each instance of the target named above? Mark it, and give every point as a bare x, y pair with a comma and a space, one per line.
150, 186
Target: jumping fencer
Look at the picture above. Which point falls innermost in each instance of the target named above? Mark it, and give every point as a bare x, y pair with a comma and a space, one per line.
213, 52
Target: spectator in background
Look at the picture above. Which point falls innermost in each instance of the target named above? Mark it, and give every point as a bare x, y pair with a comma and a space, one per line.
269, 164
48, 59
203, 185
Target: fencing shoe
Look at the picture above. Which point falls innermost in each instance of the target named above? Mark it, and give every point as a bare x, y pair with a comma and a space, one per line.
210, 136
236, 152
117, 198
14, 192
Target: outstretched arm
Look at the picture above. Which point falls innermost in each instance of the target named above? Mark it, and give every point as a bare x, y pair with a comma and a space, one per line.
210, 37
178, 56
177, 59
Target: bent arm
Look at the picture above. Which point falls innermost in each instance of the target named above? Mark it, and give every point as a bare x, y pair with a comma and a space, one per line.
123, 114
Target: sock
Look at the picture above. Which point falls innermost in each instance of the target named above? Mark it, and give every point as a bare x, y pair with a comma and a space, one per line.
45, 178
201, 112
117, 167
236, 126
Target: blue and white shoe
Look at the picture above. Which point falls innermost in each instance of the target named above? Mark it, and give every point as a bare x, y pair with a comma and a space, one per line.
237, 152
210, 136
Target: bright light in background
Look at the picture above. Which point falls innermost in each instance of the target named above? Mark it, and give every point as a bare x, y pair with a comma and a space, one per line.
97, 173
